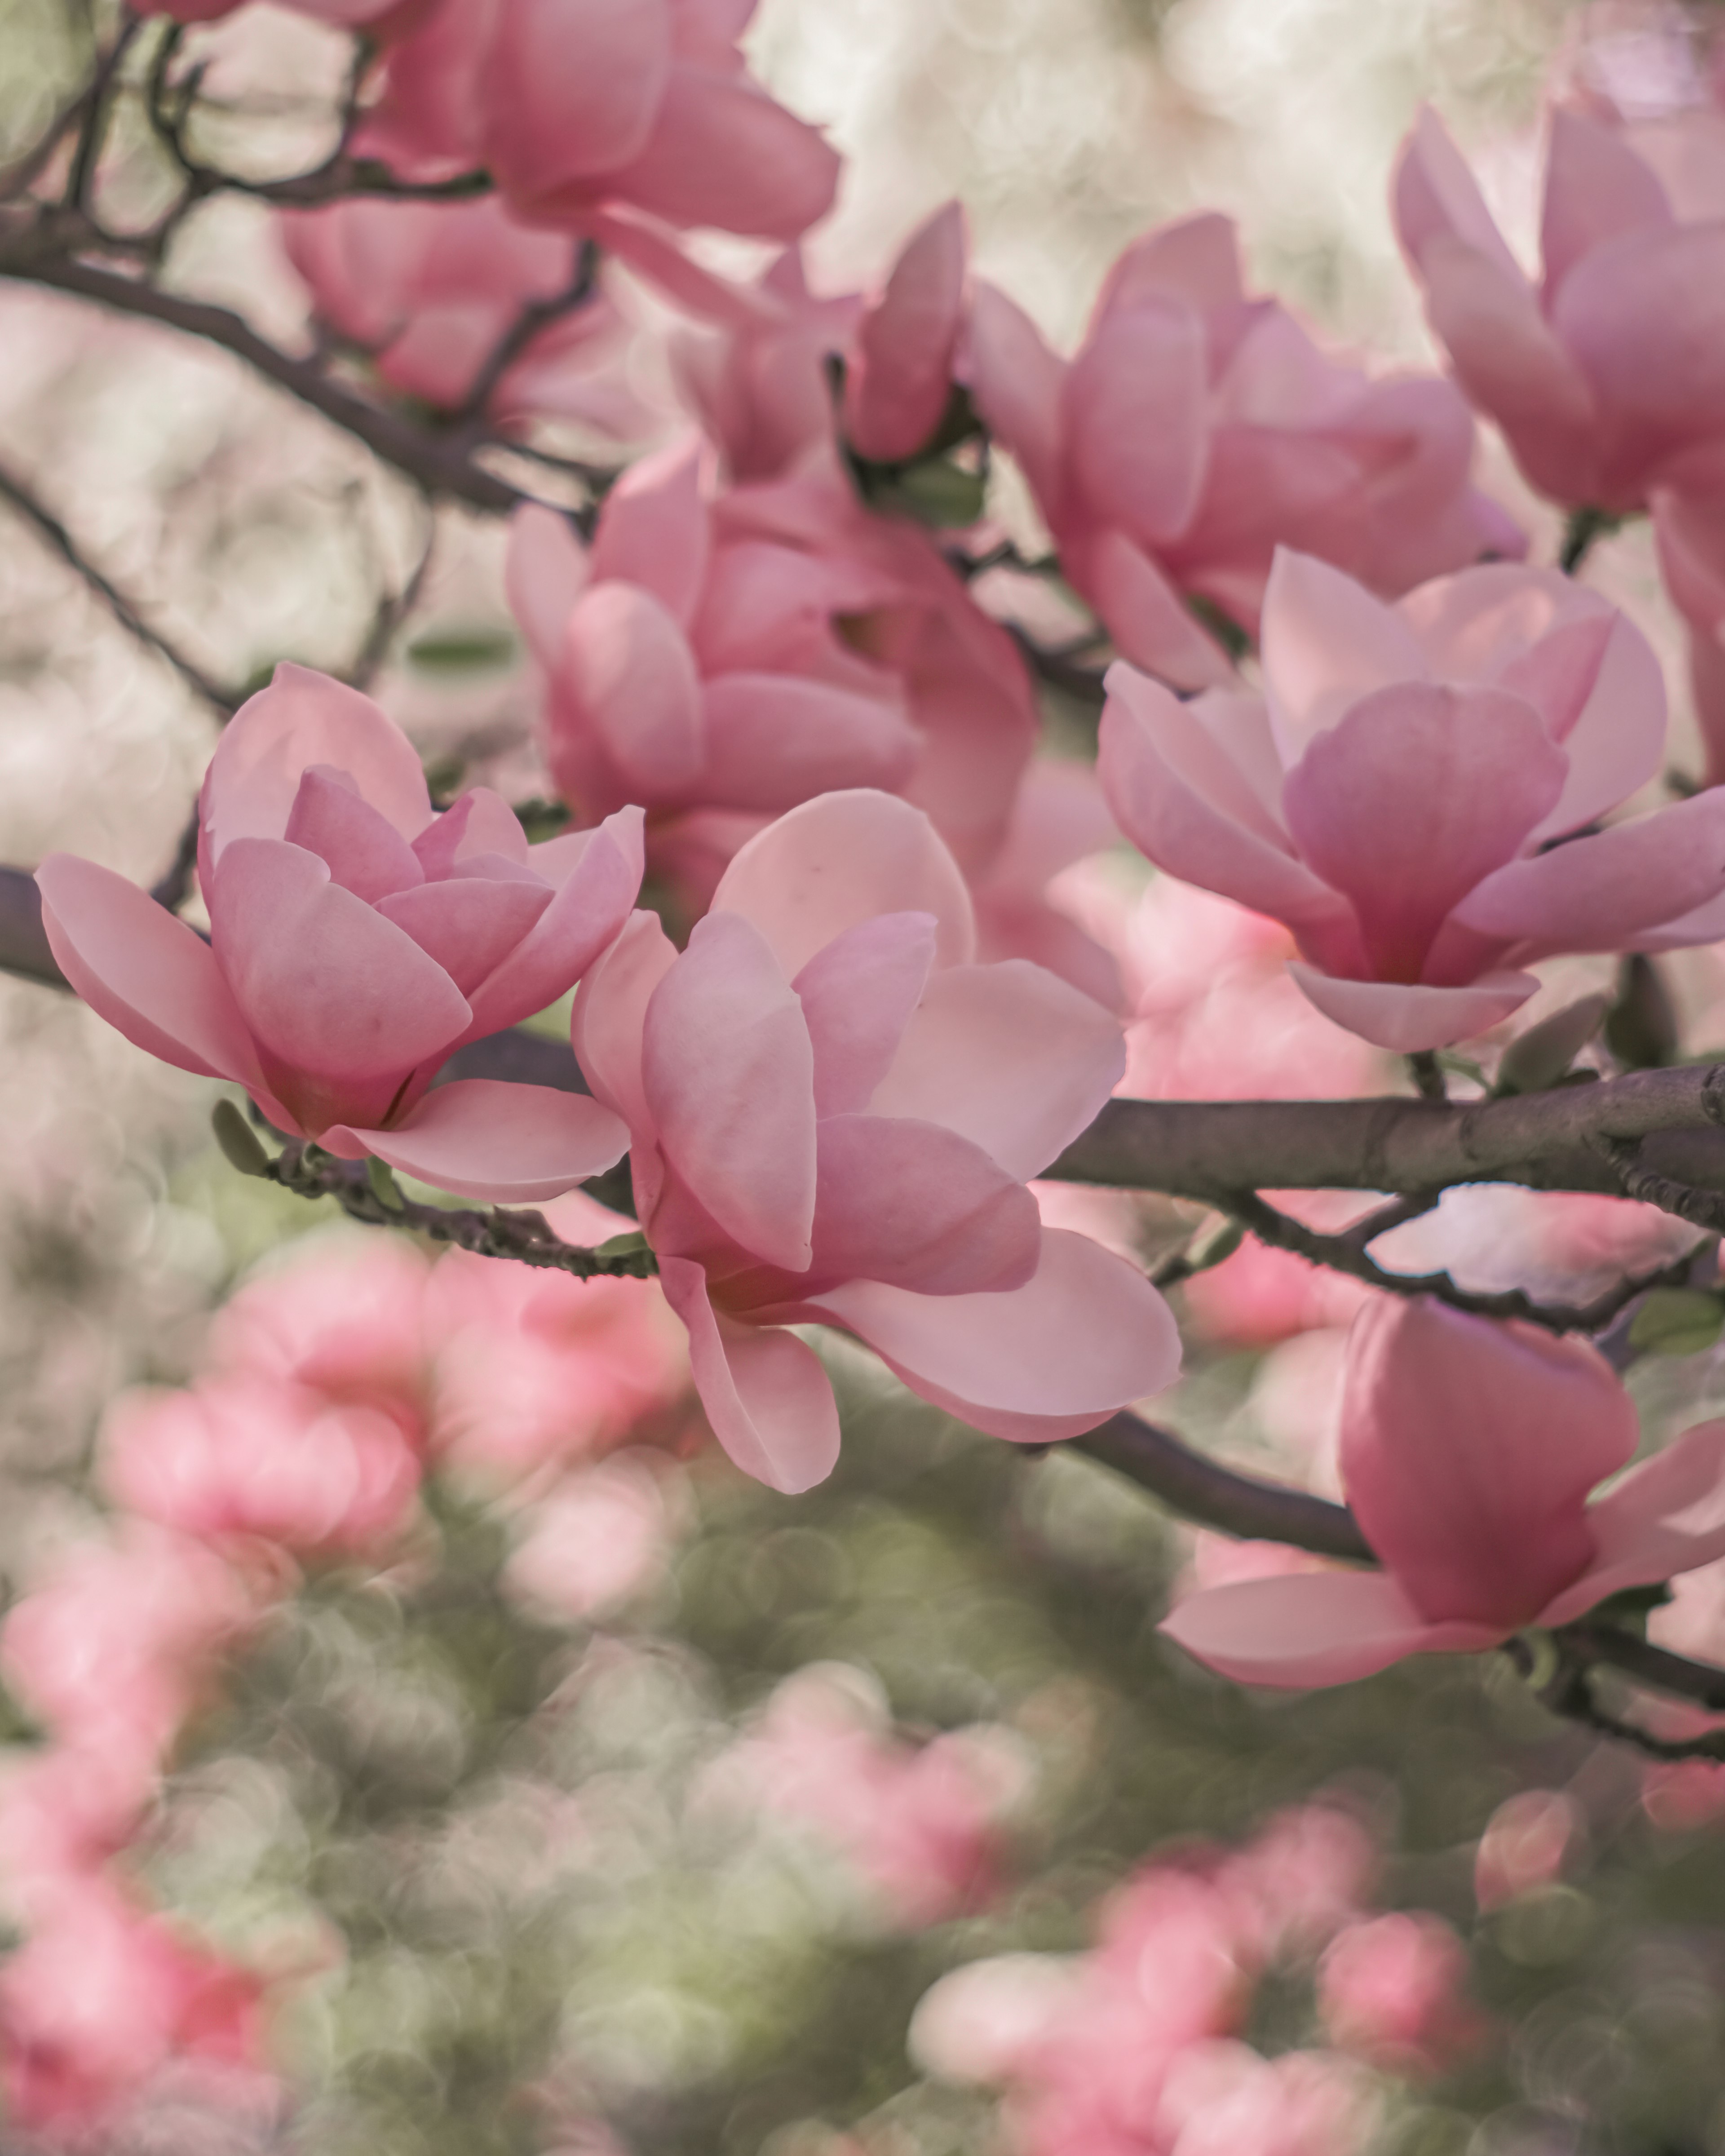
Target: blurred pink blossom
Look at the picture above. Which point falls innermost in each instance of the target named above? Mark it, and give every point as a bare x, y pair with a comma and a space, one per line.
1524, 1846
597, 1538
1390, 1989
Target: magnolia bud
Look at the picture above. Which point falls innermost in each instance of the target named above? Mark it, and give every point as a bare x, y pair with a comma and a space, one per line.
1641, 1026
238, 1140
1540, 1056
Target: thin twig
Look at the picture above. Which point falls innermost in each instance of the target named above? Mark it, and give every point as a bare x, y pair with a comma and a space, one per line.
392, 610
1083, 684
1427, 1074
537, 315
1703, 1208
92, 134
1342, 1255
1397, 1213
50, 527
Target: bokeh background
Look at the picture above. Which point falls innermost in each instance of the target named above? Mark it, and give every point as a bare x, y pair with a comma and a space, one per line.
644, 1813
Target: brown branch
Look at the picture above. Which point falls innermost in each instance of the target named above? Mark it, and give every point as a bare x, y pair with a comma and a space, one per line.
1083, 684
49, 528
536, 316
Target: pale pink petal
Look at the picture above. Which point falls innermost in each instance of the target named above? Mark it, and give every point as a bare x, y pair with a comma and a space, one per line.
629, 674
765, 1394
590, 903
1009, 1056
469, 925
1434, 195
774, 740
857, 993
900, 377
148, 974
573, 90
1135, 416
840, 860
1178, 795
1149, 621
722, 153
1086, 1334
1312, 1628
1468, 1449
363, 851
651, 250
509, 1144
1327, 640
1595, 894
1616, 741
729, 1077
1196, 260
1408, 1019
479, 827
546, 573
653, 530
1596, 189
301, 719
610, 1011
1667, 1515
917, 1206
1413, 797
323, 981
1016, 380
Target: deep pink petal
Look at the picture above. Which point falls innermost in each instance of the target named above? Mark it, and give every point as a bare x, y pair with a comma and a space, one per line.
857, 993
765, 1394
547, 572
572, 89
1196, 258
1326, 641
362, 851
1148, 619
900, 376
840, 860
629, 675
1407, 1019
324, 982
774, 740
610, 1012
302, 719
1596, 189
653, 530
590, 903
722, 153
1312, 1628
1595, 894
468, 925
509, 1144
1468, 1449
480, 825
1011, 1057
148, 974
1667, 1515
1417, 795
1135, 416
729, 1077
919, 1207
1016, 382
1085, 1335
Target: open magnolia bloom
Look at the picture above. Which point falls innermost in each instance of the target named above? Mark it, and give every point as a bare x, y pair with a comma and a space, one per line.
1468, 1450
833, 1114
1399, 793
357, 938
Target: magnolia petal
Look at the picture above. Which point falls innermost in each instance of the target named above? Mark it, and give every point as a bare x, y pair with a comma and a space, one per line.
728, 1075
572, 91
1085, 1335
654, 529
547, 572
857, 994
1326, 641
918, 1207
1149, 621
468, 924
509, 1145
1409, 1018
1015, 381
765, 1394
610, 1014
149, 975
1596, 189
840, 860
363, 851
897, 386
1312, 1628
1667, 1515
1011, 1057
629, 673
774, 740
1135, 416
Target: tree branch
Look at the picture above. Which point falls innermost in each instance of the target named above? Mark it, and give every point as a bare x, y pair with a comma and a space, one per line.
48, 527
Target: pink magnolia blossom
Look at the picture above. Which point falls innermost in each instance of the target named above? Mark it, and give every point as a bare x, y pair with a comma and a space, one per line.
746, 653
834, 1112
1390, 1988
1468, 1451
1196, 429
357, 939
1395, 795
580, 106
1524, 1846
1608, 377
430, 290
248, 1457
599, 1537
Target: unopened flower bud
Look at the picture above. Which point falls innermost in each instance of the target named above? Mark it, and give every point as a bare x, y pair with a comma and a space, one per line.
240, 1142
1541, 1056
1641, 1026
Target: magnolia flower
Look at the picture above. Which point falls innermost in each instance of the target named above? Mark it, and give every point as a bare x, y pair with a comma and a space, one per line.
833, 1113
1468, 1450
748, 653
575, 106
1397, 794
1608, 377
431, 289
356, 939
1196, 430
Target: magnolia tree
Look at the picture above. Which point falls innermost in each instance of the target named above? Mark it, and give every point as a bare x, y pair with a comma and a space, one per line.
850, 1054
